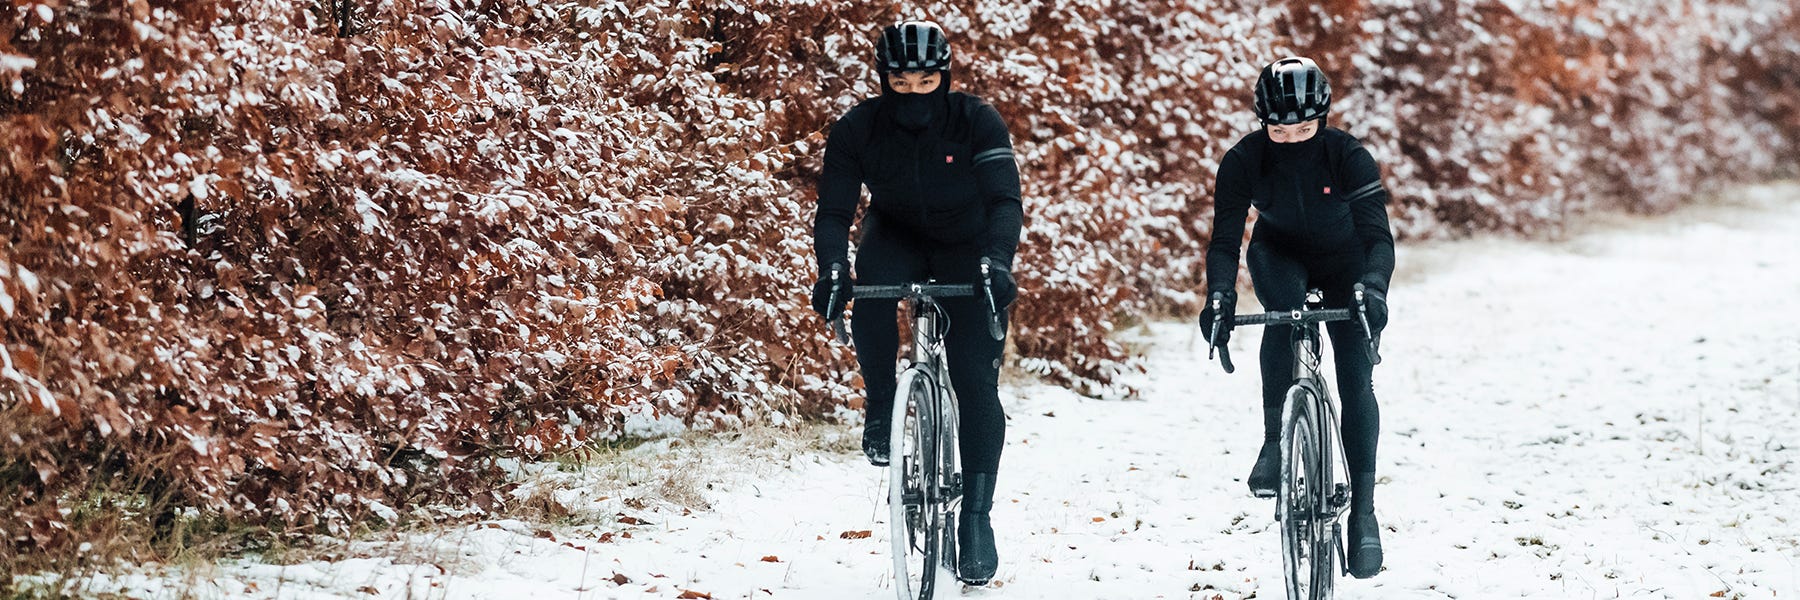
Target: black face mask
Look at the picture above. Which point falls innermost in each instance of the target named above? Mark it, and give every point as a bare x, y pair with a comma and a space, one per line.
918, 111
1296, 150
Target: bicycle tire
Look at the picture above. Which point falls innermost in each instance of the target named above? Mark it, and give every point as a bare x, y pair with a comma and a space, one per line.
1301, 503
914, 520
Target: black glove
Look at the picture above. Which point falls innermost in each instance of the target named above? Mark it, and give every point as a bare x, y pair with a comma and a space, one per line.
1375, 299
1000, 282
821, 294
1227, 309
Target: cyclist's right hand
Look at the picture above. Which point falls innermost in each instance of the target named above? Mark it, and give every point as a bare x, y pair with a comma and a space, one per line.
1225, 311
822, 297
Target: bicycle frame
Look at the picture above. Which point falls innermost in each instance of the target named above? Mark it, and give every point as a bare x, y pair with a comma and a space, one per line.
1324, 492
925, 482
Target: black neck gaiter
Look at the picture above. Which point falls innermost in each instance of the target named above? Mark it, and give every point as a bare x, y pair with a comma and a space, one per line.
915, 112
1281, 153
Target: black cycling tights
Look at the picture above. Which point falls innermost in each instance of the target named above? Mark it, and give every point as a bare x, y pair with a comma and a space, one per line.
1281, 279
888, 258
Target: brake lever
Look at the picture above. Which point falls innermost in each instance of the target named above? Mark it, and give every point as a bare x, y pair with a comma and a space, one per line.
1224, 352
995, 329
1362, 315
837, 321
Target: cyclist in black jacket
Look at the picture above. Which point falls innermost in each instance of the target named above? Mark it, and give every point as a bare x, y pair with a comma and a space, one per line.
944, 194
1321, 223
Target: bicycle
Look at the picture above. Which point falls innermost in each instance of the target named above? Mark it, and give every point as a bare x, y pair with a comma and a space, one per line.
1312, 494
925, 469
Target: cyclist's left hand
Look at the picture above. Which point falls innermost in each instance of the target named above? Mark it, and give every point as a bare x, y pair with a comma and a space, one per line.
1227, 309
1005, 289
1376, 299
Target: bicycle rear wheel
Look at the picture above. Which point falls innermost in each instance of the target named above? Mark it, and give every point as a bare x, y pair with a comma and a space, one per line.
1307, 557
915, 519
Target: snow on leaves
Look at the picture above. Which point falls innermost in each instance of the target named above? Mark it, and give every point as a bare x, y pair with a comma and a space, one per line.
312, 266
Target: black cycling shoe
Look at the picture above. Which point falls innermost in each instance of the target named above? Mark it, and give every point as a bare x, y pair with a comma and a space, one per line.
1266, 474
1365, 545
976, 559
875, 440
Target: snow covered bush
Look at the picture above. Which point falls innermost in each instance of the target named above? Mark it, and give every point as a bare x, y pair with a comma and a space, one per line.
302, 262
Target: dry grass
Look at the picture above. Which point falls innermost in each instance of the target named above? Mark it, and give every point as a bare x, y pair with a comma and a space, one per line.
585, 489
671, 474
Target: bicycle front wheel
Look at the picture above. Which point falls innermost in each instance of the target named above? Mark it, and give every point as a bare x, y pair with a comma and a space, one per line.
1302, 502
915, 523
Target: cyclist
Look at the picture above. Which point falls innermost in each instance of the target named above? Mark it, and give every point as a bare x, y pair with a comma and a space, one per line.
944, 194
1321, 223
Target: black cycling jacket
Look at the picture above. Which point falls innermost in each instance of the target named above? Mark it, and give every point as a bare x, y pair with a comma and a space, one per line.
1321, 196
953, 182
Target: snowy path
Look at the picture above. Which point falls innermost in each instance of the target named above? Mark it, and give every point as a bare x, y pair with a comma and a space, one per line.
1612, 416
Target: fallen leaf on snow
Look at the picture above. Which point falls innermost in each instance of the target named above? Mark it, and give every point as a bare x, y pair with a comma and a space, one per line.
771, 558
855, 535
693, 595
619, 579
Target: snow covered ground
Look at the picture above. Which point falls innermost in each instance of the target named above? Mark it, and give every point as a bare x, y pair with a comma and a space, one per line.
1612, 416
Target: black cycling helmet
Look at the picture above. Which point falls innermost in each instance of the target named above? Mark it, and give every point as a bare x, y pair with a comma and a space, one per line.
912, 46
1292, 90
